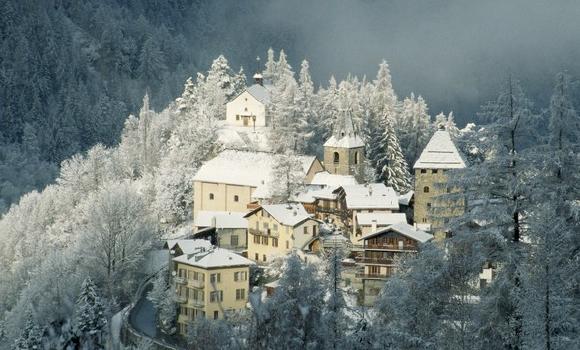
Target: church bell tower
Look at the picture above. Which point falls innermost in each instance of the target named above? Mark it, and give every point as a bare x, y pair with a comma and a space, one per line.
344, 150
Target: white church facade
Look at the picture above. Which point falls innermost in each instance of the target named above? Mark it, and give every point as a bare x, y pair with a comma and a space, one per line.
250, 108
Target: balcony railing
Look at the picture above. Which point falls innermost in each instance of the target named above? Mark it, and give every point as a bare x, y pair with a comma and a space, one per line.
328, 210
179, 280
196, 283
372, 276
379, 261
180, 299
196, 303
406, 247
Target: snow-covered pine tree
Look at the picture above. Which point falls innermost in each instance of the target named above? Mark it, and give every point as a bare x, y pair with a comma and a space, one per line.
31, 335
162, 297
270, 68
413, 127
334, 317
91, 318
287, 177
383, 98
329, 108
390, 164
305, 102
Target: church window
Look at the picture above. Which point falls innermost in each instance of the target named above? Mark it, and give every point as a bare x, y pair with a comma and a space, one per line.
236, 198
356, 158
211, 196
336, 157
426, 189
237, 117
246, 109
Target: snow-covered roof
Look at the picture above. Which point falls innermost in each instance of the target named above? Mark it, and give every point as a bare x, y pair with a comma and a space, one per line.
244, 168
405, 199
289, 214
213, 257
440, 153
371, 196
344, 133
380, 219
223, 219
346, 141
404, 229
187, 246
325, 178
312, 193
261, 93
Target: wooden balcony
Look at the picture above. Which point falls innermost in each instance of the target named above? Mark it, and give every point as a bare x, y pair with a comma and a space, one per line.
196, 283
196, 303
376, 261
180, 299
404, 247
179, 280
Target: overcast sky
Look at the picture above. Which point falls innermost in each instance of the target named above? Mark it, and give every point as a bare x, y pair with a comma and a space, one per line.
453, 52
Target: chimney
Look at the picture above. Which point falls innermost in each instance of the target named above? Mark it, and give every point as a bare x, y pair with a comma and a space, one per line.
373, 225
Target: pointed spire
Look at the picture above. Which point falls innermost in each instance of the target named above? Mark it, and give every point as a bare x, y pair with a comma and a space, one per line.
344, 125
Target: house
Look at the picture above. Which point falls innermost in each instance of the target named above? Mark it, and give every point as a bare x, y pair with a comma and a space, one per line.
344, 150
230, 228
439, 156
367, 198
178, 247
381, 250
208, 283
250, 108
233, 179
368, 223
277, 229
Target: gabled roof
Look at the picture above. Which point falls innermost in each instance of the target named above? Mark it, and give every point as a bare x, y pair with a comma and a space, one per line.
380, 219
370, 196
212, 258
440, 153
405, 199
223, 219
244, 168
187, 246
289, 214
261, 93
404, 229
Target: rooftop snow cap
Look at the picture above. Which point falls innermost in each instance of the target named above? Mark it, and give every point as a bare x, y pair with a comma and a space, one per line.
344, 133
440, 153
259, 79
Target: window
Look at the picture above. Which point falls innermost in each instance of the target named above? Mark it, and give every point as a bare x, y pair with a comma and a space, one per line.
374, 270
264, 257
275, 227
314, 230
274, 242
240, 276
426, 189
401, 245
216, 296
245, 109
240, 294
428, 205
234, 241
305, 230
215, 278
424, 219
211, 196
265, 240
246, 99
216, 314
257, 257
434, 171
256, 239
237, 117
423, 171
336, 157
287, 245
236, 198
356, 158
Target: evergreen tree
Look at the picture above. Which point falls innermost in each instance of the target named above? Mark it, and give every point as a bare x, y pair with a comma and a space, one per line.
391, 166
287, 177
31, 335
91, 319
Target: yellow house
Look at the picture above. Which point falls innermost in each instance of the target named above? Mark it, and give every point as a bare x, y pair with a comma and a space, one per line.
276, 229
209, 283
250, 108
228, 182
439, 156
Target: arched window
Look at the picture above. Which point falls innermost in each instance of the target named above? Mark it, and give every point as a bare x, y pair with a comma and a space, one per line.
336, 157
211, 196
426, 189
356, 158
236, 198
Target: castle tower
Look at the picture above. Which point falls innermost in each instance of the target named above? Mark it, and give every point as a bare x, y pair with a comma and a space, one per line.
439, 156
344, 150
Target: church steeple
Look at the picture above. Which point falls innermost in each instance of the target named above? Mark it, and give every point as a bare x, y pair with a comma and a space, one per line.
344, 150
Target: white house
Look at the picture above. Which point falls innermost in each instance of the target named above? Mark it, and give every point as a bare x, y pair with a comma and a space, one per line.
250, 108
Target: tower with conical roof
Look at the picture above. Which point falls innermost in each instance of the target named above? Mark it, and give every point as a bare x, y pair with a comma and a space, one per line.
344, 150
431, 173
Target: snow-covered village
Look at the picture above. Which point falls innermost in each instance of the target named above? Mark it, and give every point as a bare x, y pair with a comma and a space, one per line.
154, 198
